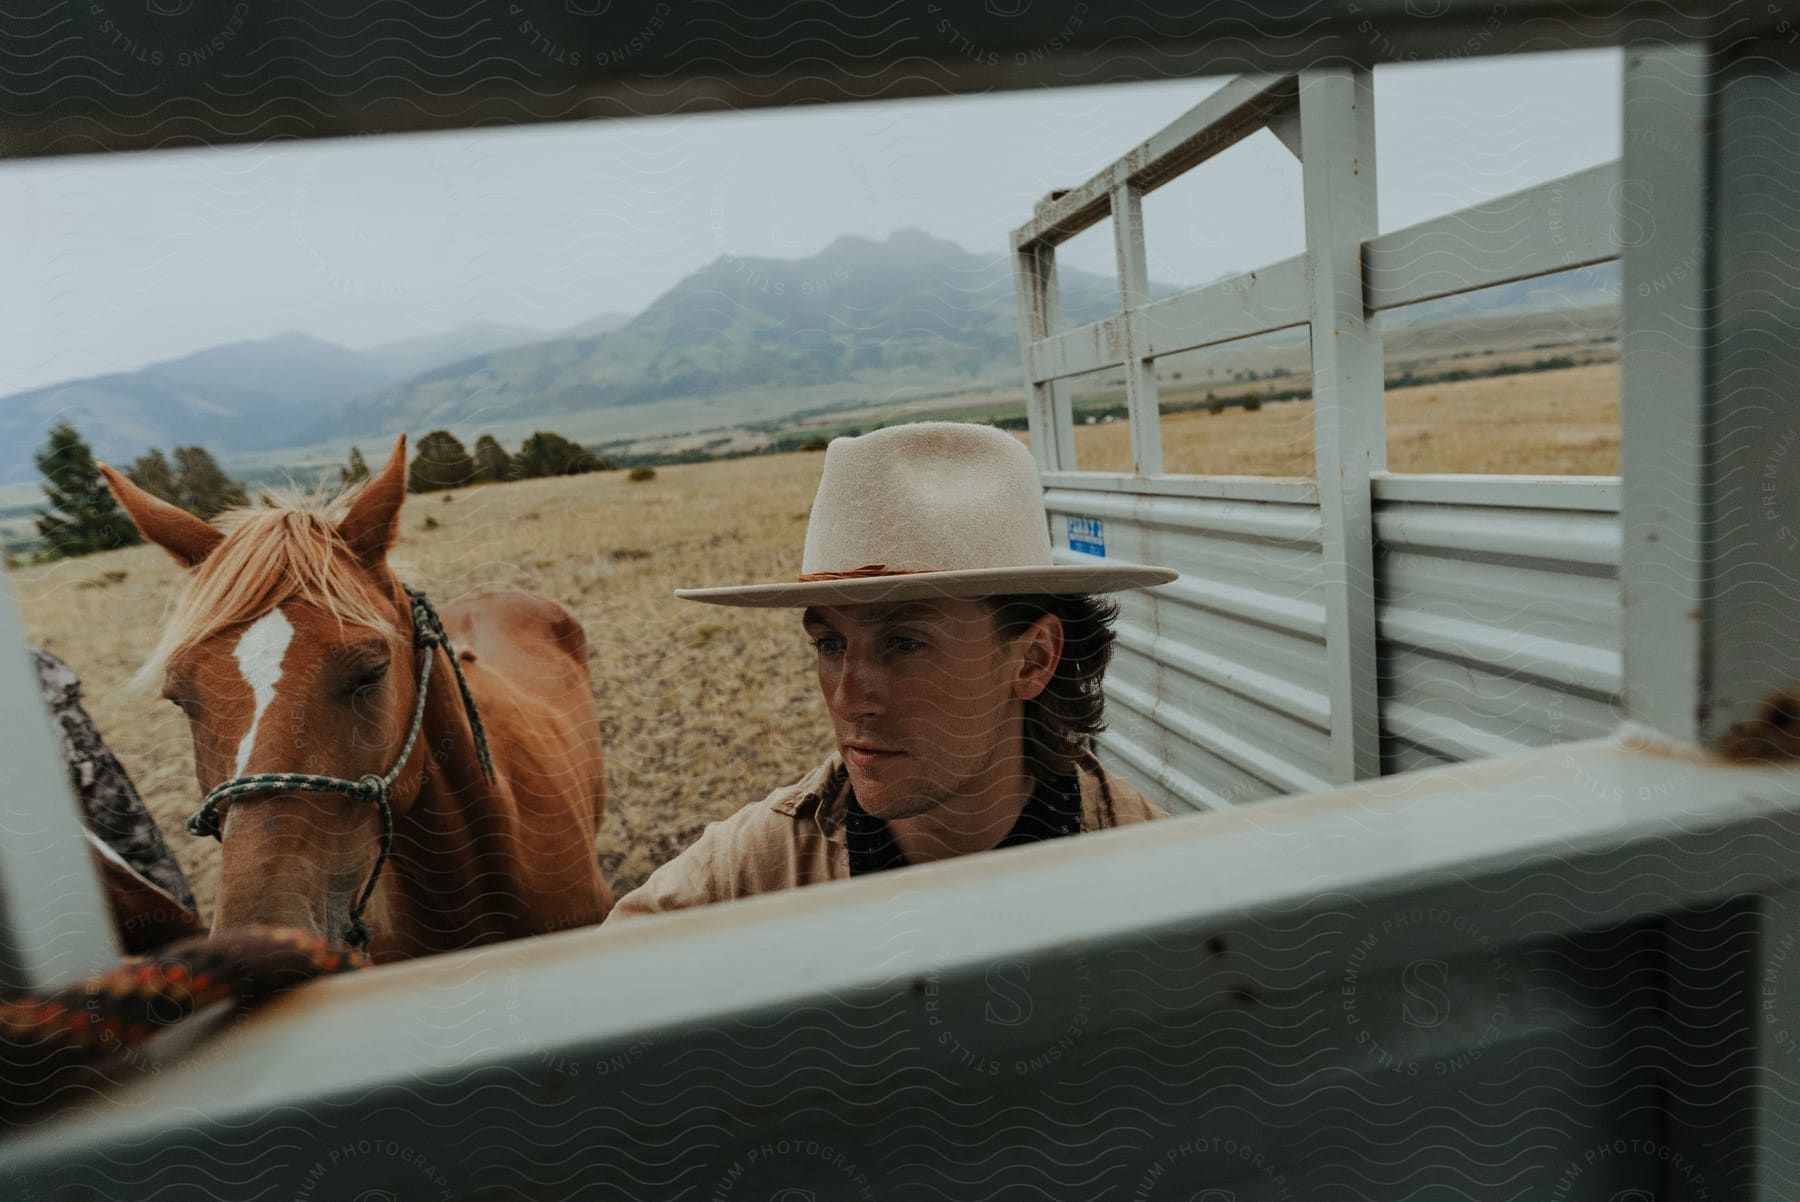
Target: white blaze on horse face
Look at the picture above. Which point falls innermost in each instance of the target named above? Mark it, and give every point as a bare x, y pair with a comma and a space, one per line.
259, 654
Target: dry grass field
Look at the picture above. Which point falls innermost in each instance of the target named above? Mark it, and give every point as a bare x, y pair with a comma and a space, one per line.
703, 708
1563, 423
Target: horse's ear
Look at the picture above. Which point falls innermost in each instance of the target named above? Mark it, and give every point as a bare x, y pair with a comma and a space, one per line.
174, 529
374, 517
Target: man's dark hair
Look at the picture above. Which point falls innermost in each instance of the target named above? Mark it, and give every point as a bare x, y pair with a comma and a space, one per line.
1061, 722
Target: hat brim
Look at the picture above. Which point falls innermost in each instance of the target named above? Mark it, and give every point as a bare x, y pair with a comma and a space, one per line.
1066, 580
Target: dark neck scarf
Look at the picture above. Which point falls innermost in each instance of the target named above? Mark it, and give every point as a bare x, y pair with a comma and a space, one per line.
1053, 810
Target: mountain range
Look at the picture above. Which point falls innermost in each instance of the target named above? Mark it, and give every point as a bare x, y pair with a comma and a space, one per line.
740, 338
236, 398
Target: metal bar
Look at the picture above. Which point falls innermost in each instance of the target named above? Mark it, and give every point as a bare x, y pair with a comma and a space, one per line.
509, 1085
1093, 347
1134, 292
54, 925
1147, 764
1292, 524
1276, 297
1289, 697
1337, 125
1291, 490
1577, 665
1750, 419
1664, 448
1282, 775
1553, 226
225, 74
1597, 494
1048, 412
1294, 615
1710, 439
1533, 533
1223, 119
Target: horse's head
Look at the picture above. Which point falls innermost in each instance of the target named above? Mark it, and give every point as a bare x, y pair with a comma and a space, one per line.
291, 651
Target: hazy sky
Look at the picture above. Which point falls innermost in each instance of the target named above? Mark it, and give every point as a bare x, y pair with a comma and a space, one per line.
110, 264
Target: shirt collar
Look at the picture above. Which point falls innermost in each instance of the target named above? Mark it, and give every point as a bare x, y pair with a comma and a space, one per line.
1052, 811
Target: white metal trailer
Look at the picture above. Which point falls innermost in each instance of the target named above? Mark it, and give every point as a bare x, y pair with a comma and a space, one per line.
1557, 972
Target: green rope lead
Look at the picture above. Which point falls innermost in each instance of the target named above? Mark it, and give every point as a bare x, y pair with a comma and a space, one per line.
426, 617
428, 635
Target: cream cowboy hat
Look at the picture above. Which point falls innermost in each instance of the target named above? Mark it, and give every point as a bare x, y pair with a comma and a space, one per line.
929, 510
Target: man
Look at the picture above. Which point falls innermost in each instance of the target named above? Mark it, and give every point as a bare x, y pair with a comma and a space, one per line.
961, 668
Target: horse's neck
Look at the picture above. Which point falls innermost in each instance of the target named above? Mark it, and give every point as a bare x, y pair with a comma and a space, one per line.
455, 881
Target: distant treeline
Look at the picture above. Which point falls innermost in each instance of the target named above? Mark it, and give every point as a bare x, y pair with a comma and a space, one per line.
83, 517
441, 461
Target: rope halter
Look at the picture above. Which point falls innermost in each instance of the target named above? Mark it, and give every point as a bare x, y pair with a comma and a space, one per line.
428, 636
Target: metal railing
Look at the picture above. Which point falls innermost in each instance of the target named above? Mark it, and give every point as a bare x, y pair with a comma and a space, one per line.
1319, 594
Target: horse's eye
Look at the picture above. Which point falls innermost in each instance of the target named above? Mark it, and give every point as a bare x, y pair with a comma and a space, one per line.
365, 683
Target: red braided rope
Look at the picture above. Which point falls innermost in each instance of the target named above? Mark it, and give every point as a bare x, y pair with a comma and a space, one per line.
107, 1015
868, 569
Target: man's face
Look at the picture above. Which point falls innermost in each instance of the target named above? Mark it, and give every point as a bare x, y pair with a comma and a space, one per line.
925, 699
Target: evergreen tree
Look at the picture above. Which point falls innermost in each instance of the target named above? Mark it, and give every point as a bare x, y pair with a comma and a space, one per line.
152, 473
492, 463
204, 489
83, 516
441, 462
546, 454
353, 472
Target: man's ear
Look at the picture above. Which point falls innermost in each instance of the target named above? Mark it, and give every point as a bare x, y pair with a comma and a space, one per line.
1040, 646
170, 527
373, 521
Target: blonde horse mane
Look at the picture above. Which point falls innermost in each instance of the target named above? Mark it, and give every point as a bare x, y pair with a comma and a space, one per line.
287, 551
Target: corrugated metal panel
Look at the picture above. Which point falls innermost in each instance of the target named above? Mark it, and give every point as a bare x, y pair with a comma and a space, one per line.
1499, 623
1218, 691
1498, 615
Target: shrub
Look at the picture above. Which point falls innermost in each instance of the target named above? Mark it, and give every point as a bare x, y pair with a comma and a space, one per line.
642, 471
441, 463
546, 454
492, 463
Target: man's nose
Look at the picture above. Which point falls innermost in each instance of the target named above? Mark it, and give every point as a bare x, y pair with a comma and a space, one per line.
861, 686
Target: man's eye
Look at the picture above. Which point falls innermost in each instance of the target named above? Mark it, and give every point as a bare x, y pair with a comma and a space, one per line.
827, 644
900, 642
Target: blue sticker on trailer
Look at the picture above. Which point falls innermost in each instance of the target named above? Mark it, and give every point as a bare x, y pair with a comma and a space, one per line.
1087, 535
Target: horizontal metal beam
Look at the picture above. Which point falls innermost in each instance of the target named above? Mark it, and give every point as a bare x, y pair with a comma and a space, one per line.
1257, 302
114, 77
1076, 352
1530, 534
1276, 297
1515, 655
1223, 119
806, 1038
1289, 697
1597, 494
1554, 226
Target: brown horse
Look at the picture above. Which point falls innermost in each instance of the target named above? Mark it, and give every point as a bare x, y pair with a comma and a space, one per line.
300, 658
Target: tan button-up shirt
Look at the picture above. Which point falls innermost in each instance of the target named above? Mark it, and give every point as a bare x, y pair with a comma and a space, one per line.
795, 836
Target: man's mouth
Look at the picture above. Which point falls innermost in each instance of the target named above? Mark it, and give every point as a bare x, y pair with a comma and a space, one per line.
867, 755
